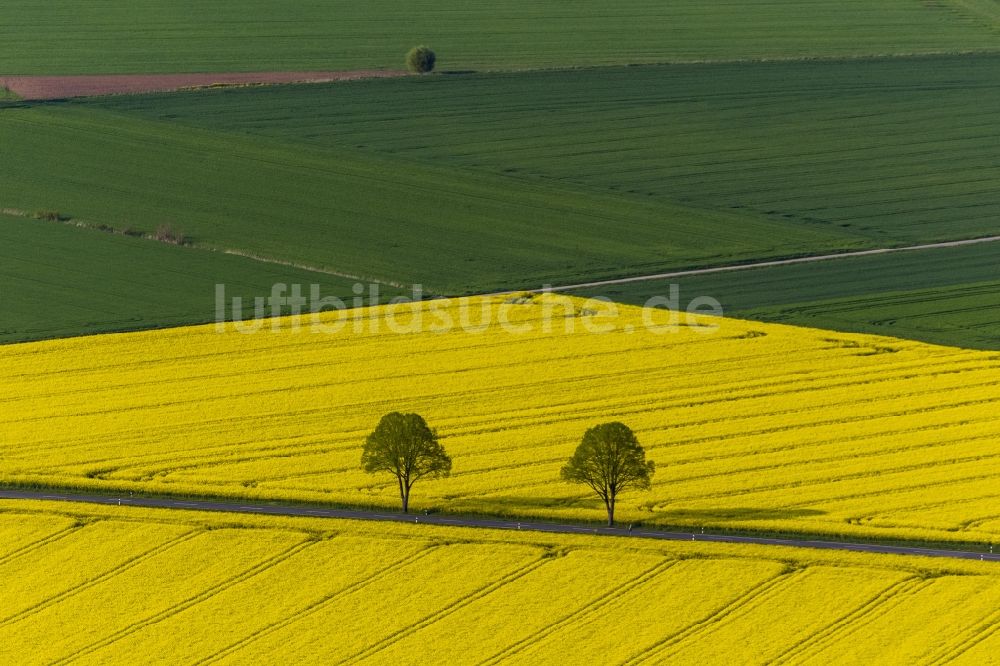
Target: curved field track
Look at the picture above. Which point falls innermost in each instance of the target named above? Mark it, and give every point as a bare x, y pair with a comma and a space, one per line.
61, 87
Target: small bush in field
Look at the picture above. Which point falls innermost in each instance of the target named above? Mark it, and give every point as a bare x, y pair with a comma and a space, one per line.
420, 60
167, 234
49, 215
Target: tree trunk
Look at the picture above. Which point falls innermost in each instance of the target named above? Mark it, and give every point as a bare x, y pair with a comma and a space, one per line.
404, 495
610, 503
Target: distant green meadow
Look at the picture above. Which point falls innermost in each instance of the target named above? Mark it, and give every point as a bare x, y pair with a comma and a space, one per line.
450, 229
59, 280
892, 151
472, 183
124, 36
947, 296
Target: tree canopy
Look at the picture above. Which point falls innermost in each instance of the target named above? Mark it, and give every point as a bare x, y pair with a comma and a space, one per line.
406, 447
420, 60
610, 460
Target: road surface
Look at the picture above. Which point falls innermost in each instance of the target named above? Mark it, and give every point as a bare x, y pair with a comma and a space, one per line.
481, 523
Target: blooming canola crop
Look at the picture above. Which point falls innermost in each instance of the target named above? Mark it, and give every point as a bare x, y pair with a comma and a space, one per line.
101, 585
751, 425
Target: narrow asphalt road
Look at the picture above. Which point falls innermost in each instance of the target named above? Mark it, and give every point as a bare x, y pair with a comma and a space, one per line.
482, 523
766, 264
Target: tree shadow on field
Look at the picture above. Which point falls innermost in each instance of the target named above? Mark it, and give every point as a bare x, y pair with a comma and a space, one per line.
515, 501
737, 513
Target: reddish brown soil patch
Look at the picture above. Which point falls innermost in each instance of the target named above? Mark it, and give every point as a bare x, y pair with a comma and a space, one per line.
61, 87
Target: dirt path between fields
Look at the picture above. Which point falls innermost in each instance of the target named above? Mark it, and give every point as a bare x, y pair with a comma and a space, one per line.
62, 87
767, 264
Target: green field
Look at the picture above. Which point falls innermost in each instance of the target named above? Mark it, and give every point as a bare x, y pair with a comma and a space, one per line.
117, 36
58, 280
897, 151
368, 215
521, 180
559, 142
946, 296
484, 182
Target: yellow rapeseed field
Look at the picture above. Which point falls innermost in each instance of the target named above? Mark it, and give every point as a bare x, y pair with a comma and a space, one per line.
100, 585
751, 425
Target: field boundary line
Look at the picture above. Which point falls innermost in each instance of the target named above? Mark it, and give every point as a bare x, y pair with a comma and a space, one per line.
650, 277
81, 223
449, 609
582, 612
46, 87
246, 254
207, 593
316, 606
